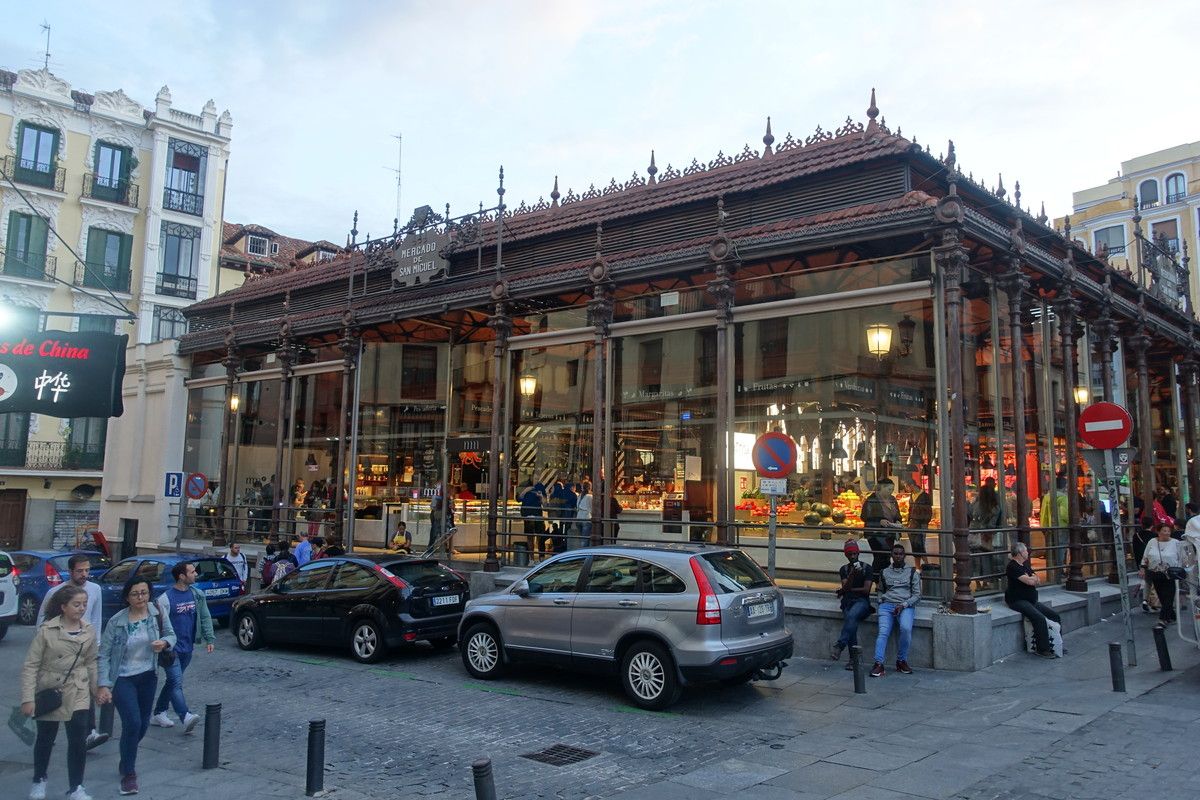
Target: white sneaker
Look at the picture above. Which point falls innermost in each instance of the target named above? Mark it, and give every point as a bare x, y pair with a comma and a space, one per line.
38, 791
162, 720
79, 794
189, 722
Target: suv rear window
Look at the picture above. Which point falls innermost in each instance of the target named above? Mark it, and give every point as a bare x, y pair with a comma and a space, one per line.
416, 572
736, 572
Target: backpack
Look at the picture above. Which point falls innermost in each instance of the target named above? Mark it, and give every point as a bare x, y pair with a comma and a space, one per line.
283, 567
268, 572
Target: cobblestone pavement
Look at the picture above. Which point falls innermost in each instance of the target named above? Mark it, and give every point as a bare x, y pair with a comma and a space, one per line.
411, 726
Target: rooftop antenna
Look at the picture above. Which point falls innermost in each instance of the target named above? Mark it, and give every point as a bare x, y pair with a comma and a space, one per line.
399, 137
46, 28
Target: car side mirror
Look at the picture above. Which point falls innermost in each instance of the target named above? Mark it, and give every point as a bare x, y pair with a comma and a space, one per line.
521, 588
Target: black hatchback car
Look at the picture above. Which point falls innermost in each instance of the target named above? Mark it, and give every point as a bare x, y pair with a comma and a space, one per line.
369, 603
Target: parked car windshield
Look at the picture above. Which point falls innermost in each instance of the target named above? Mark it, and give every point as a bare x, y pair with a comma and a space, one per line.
416, 572
736, 571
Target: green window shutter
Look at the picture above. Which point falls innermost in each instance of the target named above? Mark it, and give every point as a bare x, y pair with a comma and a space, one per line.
14, 224
126, 251
94, 270
38, 231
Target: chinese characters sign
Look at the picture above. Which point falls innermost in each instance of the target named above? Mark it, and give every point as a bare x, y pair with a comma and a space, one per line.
62, 374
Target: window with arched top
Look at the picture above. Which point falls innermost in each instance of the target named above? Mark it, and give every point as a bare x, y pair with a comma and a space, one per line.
1176, 187
1148, 193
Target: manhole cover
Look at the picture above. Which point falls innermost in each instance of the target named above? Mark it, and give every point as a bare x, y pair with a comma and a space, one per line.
559, 755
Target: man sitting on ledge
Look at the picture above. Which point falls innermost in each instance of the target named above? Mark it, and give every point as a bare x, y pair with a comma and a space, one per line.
899, 593
1021, 595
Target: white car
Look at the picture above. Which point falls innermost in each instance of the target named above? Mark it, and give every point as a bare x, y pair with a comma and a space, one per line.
9, 581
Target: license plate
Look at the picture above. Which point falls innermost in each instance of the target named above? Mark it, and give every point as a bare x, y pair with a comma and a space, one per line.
761, 609
216, 592
448, 600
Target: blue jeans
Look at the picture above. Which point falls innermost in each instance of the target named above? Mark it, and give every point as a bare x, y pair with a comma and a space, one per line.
172, 691
854, 613
887, 618
133, 697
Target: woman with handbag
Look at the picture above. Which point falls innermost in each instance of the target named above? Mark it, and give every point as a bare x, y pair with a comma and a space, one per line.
136, 641
57, 683
1163, 563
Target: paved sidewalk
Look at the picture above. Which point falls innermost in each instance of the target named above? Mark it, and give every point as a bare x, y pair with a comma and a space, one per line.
410, 727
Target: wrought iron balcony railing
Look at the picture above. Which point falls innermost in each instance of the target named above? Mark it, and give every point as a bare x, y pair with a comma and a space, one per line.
187, 202
176, 285
102, 276
113, 190
27, 264
33, 173
1176, 197
52, 455
1116, 249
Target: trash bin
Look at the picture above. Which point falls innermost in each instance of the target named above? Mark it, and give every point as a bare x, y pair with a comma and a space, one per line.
520, 554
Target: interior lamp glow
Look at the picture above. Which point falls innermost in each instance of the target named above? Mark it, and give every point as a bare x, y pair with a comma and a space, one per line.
1081, 395
234, 402
527, 384
879, 339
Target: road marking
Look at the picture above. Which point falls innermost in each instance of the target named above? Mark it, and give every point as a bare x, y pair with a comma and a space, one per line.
635, 710
493, 689
394, 673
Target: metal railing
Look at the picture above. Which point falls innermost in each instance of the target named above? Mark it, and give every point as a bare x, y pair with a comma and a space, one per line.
100, 276
52, 455
176, 285
1176, 197
27, 264
31, 173
187, 202
113, 190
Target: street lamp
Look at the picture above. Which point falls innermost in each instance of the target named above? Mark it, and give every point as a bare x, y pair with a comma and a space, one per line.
1081, 395
527, 384
879, 339
234, 402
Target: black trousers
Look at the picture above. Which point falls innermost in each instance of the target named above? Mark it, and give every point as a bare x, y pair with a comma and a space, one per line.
1165, 587
1037, 614
881, 546
47, 732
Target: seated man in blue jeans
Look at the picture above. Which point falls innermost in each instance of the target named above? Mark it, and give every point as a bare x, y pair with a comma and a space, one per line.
899, 593
855, 593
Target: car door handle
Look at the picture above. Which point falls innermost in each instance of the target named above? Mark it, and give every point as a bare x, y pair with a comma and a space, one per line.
627, 603
562, 602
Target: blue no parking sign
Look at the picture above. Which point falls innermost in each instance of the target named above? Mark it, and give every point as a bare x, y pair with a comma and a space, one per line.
774, 455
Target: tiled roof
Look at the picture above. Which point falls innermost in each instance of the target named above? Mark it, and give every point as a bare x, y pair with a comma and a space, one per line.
746, 172
290, 248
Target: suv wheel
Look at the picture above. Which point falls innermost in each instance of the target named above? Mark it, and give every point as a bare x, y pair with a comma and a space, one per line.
481, 654
247, 632
366, 642
648, 675
27, 609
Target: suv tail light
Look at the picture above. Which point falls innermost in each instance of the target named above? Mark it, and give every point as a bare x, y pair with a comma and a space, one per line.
52, 576
391, 578
708, 607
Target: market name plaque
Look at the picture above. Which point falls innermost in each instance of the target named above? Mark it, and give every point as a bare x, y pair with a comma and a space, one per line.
418, 259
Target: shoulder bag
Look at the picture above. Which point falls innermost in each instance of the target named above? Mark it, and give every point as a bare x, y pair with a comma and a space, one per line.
166, 657
48, 700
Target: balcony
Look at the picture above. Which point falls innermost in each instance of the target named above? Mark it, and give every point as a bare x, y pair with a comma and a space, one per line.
32, 173
29, 265
102, 276
1116, 249
176, 285
51, 455
1177, 197
186, 202
112, 190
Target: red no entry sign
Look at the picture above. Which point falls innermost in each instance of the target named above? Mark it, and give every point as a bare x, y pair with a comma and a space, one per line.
774, 455
1105, 425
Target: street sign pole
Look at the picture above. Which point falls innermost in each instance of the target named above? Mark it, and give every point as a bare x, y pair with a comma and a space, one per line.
1113, 484
771, 537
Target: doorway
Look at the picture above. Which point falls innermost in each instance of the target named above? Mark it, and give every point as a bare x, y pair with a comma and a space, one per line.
12, 518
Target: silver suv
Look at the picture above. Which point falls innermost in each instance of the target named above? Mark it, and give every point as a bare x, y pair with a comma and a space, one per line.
662, 617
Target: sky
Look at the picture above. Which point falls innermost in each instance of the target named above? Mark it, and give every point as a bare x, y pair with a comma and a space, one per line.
1055, 95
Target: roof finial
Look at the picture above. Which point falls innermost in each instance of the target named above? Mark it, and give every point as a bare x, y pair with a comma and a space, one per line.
872, 113
1067, 227
354, 229
1041, 217
951, 158
1000, 191
768, 140
554, 195
395, 225
1017, 195
500, 190
652, 170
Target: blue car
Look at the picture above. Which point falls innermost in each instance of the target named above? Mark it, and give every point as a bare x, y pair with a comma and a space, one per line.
215, 577
41, 571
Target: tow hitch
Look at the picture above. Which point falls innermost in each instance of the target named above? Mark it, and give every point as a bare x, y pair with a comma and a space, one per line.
771, 672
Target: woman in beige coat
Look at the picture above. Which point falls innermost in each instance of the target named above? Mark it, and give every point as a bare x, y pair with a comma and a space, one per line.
62, 656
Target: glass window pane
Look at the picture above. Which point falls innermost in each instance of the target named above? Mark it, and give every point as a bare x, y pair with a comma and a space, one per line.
353, 576
611, 574
561, 576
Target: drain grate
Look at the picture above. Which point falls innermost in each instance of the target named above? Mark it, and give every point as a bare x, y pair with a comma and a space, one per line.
560, 755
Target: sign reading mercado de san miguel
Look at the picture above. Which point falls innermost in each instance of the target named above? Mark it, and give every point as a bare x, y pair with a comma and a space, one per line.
418, 258
62, 374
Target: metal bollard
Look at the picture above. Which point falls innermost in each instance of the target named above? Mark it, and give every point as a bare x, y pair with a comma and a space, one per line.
1164, 655
107, 711
1116, 665
315, 780
485, 784
212, 736
860, 678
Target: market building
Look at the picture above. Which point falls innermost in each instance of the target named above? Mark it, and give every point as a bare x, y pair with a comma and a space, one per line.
849, 288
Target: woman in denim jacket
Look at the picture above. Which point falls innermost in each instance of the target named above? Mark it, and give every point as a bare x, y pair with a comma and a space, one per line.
129, 650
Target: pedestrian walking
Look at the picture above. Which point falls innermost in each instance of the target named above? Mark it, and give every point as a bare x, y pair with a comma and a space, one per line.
283, 563
61, 658
1021, 595
266, 567
79, 567
533, 498
1162, 563
126, 674
303, 549
184, 605
583, 514
899, 593
236, 557
855, 595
